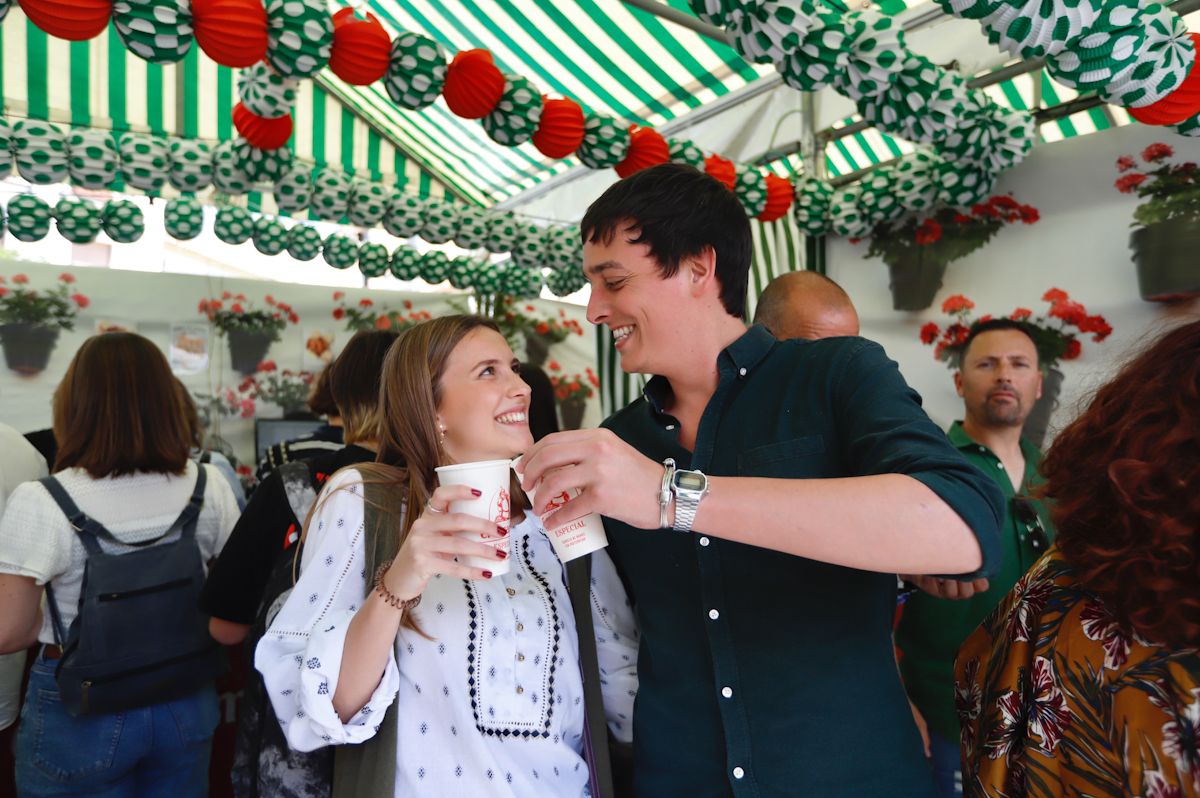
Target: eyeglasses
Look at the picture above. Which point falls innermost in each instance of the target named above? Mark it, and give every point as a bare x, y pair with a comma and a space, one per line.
1023, 510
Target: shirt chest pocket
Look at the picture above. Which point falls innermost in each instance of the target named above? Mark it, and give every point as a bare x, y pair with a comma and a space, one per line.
796, 457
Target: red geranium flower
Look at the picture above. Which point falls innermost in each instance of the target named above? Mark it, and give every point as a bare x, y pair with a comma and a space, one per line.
1004, 202
236, 307
962, 218
929, 232
1029, 214
293, 318
542, 328
957, 304
1073, 349
1069, 311
383, 323
338, 295
203, 306
1054, 295
270, 299
957, 334
226, 295
266, 365
408, 305
20, 279
554, 365
215, 305
1156, 152
3, 291
365, 303
929, 332
81, 300
1129, 182
338, 313
1125, 163
1020, 314
67, 278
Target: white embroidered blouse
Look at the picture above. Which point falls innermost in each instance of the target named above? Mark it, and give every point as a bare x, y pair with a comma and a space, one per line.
493, 704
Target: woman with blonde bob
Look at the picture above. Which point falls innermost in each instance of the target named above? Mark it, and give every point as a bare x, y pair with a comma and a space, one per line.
440, 676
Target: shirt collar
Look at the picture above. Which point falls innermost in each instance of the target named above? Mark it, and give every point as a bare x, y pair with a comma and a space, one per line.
739, 357
961, 440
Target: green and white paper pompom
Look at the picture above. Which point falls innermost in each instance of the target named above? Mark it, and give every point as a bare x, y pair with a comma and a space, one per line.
416, 71
528, 251
684, 151
293, 190
714, 12
1188, 127
304, 242
123, 221
405, 215
339, 251
270, 237
406, 263
158, 31
765, 31
233, 225
878, 198
472, 228
265, 92
228, 177
93, 158
28, 217
262, 166
191, 165
330, 195
299, 36
605, 141
77, 220
183, 218
811, 209
521, 282
961, 186
441, 222
751, 189
515, 118
145, 161
489, 278
1039, 28
565, 282
877, 53
462, 272
502, 231
373, 260
821, 56
6, 149
846, 218
922, 104
987, 136
4, 6
916, 180
1160, 66
41, 150
435, 266
1110, 47
970, 9
561, 248
368, 201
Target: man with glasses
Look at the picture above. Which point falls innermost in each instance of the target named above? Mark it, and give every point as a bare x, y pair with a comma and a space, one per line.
999, 380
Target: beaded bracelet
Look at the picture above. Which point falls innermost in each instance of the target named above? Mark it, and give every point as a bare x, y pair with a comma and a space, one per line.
393, 601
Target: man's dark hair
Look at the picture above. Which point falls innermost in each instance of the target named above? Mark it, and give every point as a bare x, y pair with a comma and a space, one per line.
991, 325
678, 211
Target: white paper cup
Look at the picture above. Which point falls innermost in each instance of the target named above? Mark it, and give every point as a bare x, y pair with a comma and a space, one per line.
577, 536
492, 479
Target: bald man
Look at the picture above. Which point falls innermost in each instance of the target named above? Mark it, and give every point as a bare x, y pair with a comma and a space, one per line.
805, 305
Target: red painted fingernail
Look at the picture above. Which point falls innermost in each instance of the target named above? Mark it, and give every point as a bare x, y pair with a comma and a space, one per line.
501, 553
476, 493
487, 574
502, 531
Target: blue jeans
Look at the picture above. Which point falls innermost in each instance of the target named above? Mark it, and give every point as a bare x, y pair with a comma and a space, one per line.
160, 751
947, 765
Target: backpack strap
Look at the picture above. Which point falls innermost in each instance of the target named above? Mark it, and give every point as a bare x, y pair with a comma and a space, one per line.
595, 730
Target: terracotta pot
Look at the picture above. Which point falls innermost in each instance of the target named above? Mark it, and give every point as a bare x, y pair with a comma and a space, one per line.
1165, 255
27, 346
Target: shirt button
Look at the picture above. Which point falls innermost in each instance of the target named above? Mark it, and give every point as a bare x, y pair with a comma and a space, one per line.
520, 627
522, 690
704, 541
670, 426
738, 773
520, 658
714, 614
742, 372
510, 591
727, 692
1000, 466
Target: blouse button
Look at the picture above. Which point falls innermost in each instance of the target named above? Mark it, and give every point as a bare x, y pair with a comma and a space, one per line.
520, 658
520, 690
520, 627
510, 591
714, 614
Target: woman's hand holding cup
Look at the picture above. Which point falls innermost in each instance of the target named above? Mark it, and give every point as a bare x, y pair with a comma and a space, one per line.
435, 540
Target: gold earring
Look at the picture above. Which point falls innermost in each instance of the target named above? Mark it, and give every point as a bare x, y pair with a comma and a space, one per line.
442, 439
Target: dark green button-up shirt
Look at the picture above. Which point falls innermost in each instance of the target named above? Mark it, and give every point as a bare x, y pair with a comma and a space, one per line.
932, 629
762, 673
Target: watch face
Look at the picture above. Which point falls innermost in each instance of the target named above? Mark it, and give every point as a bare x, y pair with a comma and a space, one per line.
686, 480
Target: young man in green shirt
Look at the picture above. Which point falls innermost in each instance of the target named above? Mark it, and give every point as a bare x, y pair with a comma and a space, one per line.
758, 499
999, 380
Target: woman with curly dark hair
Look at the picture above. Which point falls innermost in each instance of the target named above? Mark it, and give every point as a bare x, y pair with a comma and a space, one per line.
1086, 679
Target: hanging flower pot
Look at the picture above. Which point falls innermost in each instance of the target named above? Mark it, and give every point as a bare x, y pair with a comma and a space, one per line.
572, 410
1039, 418
1165, 256
361, 48
74, 20
915, 277
537, 349
474, 84
27, 347
231, 32
248, 348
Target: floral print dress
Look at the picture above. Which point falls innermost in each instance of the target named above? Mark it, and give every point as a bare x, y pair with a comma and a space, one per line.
1056, 700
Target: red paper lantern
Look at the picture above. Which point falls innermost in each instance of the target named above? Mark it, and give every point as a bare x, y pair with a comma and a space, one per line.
473, 84
1180, 104
266, 134
75, 20
779, 198
646, 148
560, 130
361, 48
722, 169
231, 32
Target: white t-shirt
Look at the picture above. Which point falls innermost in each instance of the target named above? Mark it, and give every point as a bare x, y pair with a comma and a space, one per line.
492, 702
36, 539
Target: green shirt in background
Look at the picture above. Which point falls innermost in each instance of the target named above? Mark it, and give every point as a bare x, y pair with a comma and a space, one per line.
932, 629
763, 674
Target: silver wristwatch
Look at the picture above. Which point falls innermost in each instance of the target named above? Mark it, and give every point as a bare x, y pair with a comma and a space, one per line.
689, 488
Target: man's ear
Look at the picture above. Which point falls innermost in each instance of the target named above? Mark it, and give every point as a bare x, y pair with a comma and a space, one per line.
700, 270
958, 382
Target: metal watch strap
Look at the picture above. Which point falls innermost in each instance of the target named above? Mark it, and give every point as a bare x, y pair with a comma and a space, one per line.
664, 494
685, 511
